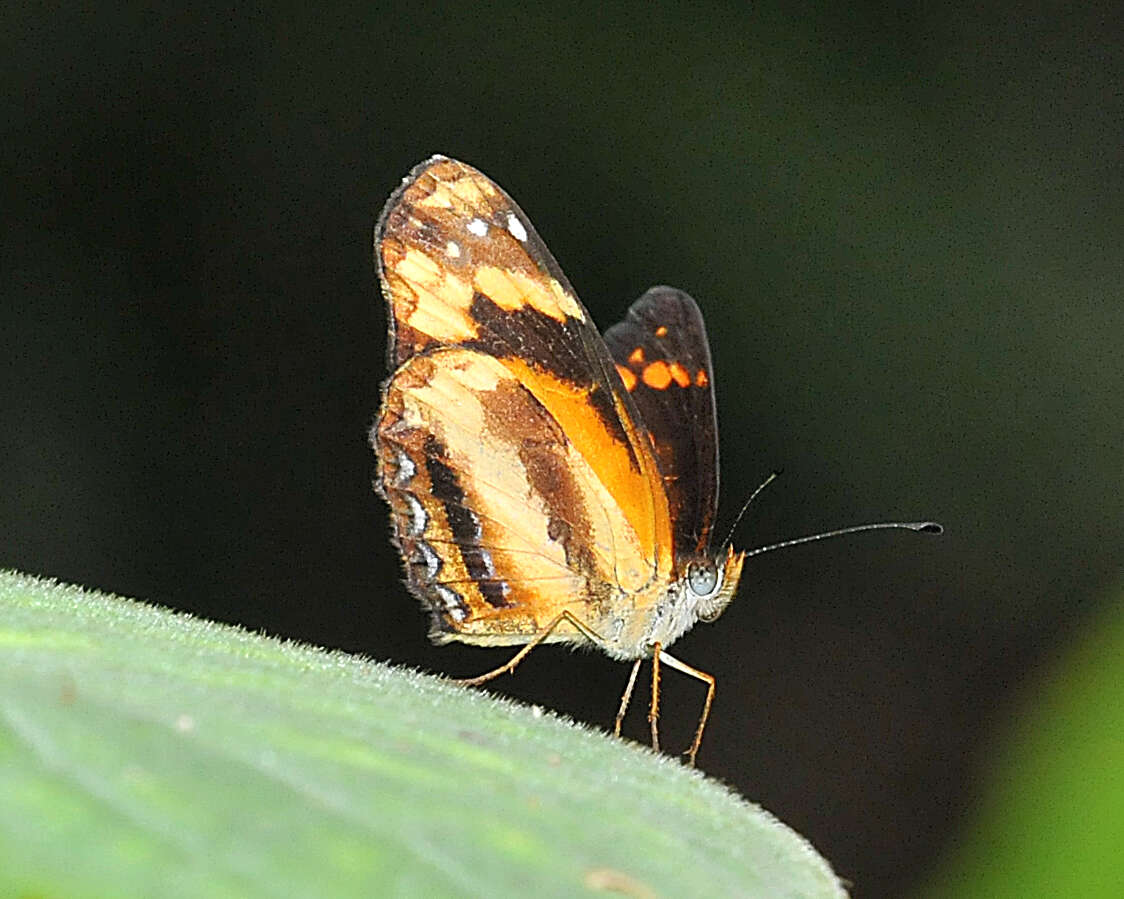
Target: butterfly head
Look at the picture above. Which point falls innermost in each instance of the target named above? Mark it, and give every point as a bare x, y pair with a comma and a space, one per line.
702, 588
713, 583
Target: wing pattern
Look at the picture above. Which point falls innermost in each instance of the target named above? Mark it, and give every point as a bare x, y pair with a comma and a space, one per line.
519, 473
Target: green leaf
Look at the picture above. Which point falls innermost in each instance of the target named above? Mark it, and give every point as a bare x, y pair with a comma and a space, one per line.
147, 753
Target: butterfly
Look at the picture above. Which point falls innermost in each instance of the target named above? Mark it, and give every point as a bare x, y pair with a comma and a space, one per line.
546, 484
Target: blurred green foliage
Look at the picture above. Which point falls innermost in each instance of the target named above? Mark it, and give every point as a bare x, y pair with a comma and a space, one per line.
1050, 822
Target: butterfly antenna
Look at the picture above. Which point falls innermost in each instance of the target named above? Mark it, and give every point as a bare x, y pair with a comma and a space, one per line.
921, 527
765, 483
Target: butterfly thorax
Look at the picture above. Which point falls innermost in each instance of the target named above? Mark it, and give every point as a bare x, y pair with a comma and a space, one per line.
701, 593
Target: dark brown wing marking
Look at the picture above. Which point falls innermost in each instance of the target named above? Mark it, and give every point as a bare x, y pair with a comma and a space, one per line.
463, 524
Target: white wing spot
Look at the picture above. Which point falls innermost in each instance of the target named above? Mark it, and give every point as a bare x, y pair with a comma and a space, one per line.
479, 227
429, 558
516, 227
453, 249
452, 600
406, 470
418, 518
486, 558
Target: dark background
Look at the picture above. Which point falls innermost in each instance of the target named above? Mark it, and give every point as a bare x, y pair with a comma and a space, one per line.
904, 230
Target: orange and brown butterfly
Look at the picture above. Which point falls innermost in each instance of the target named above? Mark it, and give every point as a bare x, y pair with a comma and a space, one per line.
546, 484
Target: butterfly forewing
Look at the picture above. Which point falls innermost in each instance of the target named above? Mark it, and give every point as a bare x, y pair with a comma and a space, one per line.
461, 263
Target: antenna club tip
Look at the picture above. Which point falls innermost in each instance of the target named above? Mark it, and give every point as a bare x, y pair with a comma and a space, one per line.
922, 527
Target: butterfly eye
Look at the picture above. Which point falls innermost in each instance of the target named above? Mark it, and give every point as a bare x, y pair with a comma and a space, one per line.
702, 578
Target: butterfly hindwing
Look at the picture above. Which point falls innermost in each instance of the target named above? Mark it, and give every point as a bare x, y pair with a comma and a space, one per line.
497, 543
663, 356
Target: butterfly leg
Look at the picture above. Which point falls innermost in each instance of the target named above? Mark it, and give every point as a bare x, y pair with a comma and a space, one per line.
654, 708
707, 679
626, 698
510, 664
